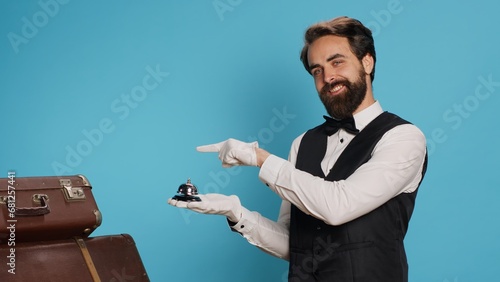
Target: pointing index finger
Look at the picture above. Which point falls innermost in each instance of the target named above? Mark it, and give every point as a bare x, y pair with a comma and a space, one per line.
211, 148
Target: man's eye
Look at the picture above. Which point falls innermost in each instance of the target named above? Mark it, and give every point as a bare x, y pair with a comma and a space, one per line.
316, 72
336, 63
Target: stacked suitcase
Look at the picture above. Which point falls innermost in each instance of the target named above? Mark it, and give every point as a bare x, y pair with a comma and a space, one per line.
45, 223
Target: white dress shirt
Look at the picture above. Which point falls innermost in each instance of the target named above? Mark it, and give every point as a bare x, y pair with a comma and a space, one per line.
395, 167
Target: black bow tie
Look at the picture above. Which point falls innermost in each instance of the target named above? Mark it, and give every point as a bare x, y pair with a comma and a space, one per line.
333, 125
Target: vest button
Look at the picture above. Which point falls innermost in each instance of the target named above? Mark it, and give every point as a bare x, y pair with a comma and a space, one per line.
318, 227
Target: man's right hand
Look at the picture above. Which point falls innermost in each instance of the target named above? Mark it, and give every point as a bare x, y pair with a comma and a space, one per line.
228, 206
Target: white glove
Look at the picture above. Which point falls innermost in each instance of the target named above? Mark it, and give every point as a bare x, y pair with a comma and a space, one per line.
228, 206
233, 152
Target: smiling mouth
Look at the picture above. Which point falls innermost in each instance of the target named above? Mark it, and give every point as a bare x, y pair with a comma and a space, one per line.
336, 89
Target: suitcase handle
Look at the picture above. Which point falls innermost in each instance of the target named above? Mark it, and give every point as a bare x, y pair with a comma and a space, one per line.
43, 209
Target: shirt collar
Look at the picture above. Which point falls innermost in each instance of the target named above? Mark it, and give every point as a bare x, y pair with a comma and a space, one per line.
364, 117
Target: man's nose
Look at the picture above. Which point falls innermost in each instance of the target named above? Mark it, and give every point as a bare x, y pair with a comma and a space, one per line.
330, 74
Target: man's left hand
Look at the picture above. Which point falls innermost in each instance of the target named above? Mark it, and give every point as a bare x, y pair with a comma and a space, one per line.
233, 152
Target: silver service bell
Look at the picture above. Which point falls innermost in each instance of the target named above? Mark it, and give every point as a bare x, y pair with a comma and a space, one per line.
187, 192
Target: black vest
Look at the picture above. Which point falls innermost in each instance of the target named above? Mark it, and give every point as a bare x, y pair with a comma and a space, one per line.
367, 249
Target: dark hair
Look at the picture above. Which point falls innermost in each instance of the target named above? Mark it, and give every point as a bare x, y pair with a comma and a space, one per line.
360, 38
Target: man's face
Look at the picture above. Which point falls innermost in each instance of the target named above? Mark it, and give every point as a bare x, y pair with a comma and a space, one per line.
339, 76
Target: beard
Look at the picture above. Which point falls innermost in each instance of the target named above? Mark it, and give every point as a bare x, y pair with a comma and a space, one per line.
344, 104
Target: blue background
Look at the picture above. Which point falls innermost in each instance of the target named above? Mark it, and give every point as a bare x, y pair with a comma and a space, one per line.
70, 92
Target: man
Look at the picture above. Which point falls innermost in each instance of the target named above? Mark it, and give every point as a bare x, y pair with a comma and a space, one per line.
349, 185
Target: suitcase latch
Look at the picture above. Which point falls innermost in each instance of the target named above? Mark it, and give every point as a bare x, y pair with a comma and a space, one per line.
71, 193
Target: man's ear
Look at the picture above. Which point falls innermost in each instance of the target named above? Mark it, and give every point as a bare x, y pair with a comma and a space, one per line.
367, 62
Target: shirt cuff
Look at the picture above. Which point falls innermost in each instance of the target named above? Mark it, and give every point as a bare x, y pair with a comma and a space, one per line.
246, 224
270, 169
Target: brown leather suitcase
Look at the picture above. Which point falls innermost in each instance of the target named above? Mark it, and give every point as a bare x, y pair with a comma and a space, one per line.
46, 208
101, 258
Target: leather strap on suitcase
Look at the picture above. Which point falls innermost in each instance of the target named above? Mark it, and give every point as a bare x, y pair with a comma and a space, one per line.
88, 259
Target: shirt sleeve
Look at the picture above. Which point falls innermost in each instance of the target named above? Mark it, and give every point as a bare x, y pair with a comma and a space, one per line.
395, 167
267, 235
